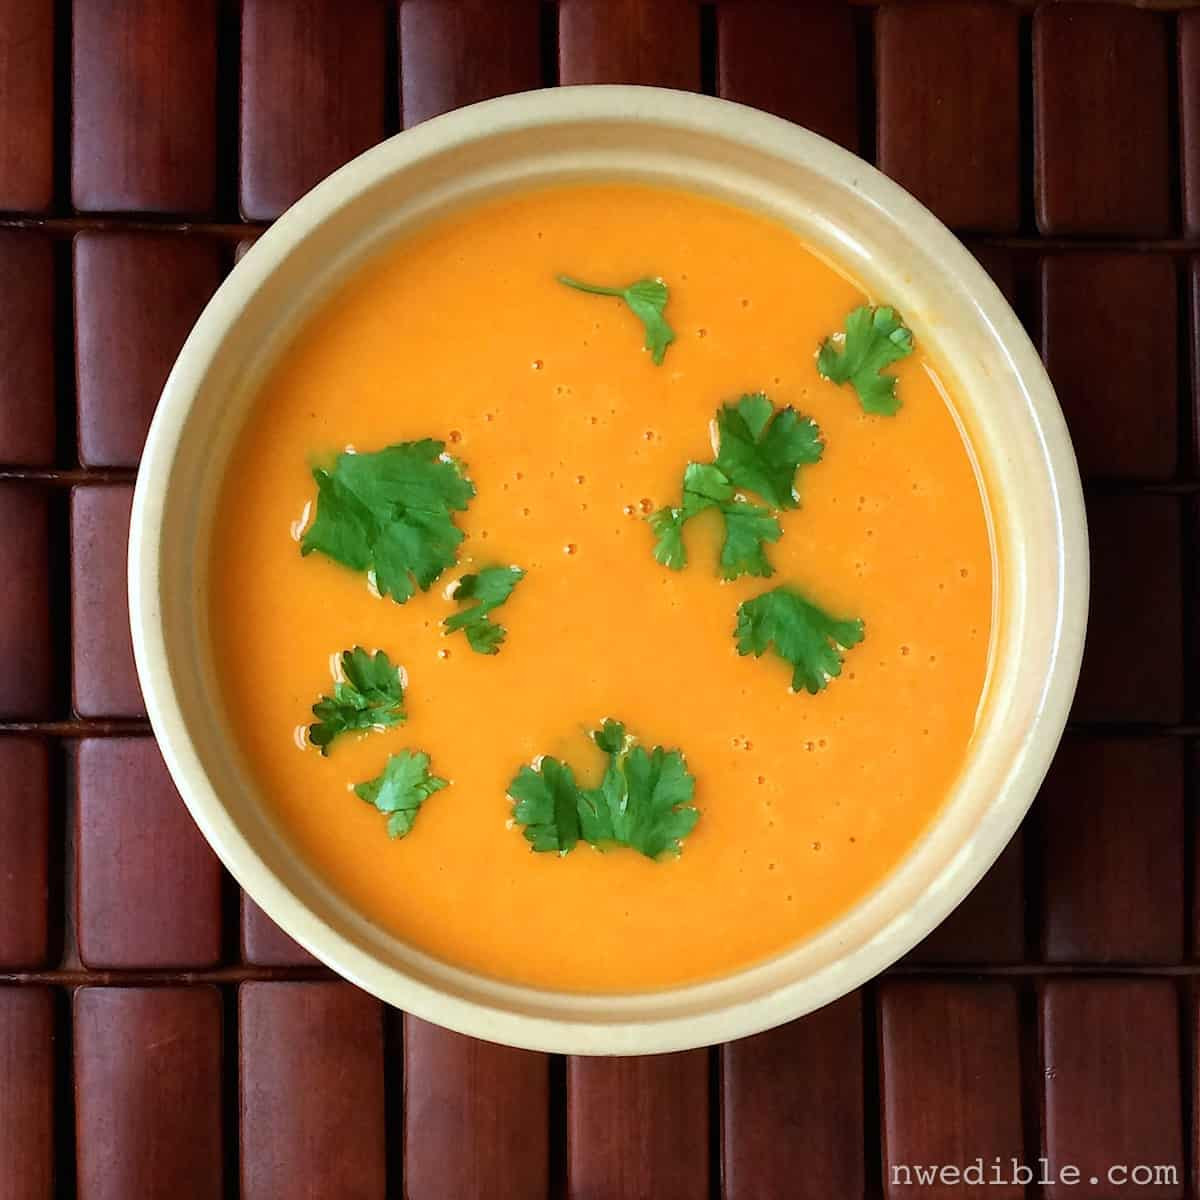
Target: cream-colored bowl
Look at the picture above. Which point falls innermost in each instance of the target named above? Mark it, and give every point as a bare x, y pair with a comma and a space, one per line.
838, 204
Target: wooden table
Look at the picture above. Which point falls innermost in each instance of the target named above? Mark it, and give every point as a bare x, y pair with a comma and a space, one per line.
160, 1038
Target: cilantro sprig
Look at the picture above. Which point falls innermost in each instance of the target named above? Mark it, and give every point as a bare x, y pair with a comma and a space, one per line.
489, 589
760, 449
391, 512
801, 633
644, 800
400, 790
874, 338
370, 697
646, 298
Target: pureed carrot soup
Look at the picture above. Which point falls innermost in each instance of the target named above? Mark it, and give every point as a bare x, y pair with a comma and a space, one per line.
651, 626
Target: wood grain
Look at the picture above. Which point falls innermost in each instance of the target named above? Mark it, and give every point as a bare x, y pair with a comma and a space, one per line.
148, 1093
27, 105
653, 42
1109, 337
104, 679
798, 61
143, 111
313, 95
457, 52
948, 98
148, 889
1112, 815
137, 296
638, 1127
1188, 25
28, 419
24, 853
1136, 544
27, 1093
265, 944
1101, 83
950, 1083
311, 1088
792, 1108
1111, 1097
476, 1117
26, 638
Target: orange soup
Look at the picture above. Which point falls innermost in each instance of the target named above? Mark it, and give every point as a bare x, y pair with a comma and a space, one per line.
572, 435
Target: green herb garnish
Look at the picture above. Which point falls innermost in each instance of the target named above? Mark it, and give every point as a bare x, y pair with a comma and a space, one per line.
401, 789
802, 634
874, 339
644, 800
390, 513
760, 449
370, 697
489, 589
646, 299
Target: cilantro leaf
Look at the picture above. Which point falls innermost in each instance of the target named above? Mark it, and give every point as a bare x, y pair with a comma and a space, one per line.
802, 634
704, 486
489, 589
610, 737
748, 527
667, 526
646, 298
875, 338
391, 512
644, 800
404, 785
371, 697
762, 448
547, 804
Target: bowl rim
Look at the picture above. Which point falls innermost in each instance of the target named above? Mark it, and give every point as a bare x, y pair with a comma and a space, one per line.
693, 113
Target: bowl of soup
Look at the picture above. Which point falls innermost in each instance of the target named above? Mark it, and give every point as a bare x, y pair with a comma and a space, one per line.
608, 571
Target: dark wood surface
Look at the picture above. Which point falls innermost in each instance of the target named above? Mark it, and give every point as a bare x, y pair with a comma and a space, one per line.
310, 1039
159, 1037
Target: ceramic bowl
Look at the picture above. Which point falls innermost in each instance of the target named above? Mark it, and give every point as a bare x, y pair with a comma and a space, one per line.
839, 205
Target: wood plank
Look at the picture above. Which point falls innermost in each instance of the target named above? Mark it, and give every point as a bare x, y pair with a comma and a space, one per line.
26, 106
792, 1108
144, 106
798, 61
24, 852
27, 1093
457, 52
948, 93
476, 1117
137, 296
950, 1086
104, 679
638, 1127
1135, 602
148, 1093
265, 944
313, 95
1112, 813
148, 888
654, 42
311, 1086
1112, 1093
1109, 332
1101, 154
26, 641
28, 419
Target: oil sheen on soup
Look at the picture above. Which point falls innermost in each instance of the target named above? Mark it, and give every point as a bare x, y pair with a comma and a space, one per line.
572, 436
